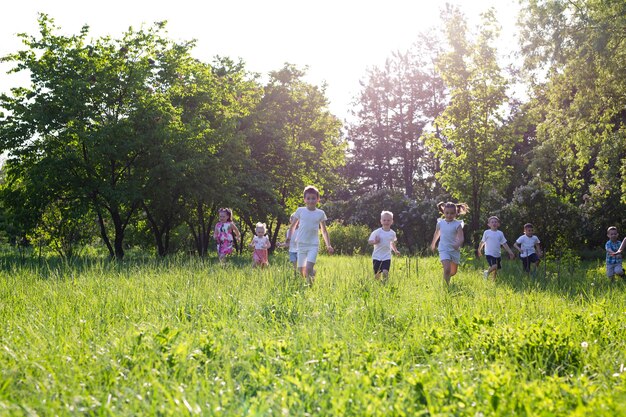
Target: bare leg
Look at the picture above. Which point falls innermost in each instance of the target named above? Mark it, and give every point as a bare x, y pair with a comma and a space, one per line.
310, 273
447, 270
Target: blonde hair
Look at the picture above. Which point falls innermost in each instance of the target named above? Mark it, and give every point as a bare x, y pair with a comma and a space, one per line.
263, 226
493, 217
309, 189
384, 212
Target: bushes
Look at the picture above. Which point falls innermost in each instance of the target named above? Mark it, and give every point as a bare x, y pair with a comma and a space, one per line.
348, 240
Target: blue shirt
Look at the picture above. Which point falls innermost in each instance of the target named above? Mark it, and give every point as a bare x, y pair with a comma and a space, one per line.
610, 246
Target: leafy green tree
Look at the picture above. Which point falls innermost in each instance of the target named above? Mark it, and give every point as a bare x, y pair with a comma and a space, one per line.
91, 113
574, 54
213, 102
396, 104
294, 140
470, 142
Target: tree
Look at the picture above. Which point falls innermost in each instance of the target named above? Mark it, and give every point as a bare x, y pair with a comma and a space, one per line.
395, 106
469, 140
294, 141
574, 55
92, 112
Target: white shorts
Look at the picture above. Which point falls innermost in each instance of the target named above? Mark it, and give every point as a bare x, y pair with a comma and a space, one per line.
614, 269
307, 254
450, 255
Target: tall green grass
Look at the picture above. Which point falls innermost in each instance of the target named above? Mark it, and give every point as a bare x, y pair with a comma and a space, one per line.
189, 337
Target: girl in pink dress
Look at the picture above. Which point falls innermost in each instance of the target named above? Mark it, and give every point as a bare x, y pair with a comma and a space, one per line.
223, 233
261, 244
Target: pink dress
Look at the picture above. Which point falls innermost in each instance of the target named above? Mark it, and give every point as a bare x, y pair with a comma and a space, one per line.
260, 250
224, 238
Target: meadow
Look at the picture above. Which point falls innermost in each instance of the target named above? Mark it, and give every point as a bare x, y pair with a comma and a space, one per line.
185, 336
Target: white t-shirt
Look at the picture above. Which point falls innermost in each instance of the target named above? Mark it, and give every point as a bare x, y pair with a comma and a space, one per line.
308, 232
493, 240
260, 242
527, 244
447, 237
382, 250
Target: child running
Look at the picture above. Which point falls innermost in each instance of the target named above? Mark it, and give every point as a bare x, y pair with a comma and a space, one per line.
384, 241
613, 253
449, 231
528, 247
309, 220
492, 240
223, 234
261, 244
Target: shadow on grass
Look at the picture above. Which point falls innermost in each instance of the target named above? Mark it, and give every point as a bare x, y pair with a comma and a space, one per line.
585, 279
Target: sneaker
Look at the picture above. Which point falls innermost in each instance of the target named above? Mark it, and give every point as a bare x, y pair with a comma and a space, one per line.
486, 274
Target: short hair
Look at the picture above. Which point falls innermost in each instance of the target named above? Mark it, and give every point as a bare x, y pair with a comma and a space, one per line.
529, 226
309, 189
263, 226
461, 208
493, 217
384, 212
228, 212
611, 228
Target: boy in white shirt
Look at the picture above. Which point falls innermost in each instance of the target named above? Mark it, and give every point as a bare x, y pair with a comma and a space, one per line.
384, 241
528, 247
492, 240
309, 220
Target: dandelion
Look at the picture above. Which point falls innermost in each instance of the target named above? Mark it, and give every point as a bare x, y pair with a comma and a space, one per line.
584, 345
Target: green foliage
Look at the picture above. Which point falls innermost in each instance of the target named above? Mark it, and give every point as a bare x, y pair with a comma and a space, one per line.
469, 141
554, 219
349, 239
414, 221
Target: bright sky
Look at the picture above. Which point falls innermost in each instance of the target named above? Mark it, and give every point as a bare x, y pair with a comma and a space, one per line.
337, 39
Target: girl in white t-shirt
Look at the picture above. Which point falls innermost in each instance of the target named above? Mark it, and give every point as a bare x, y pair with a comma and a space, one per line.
384, 241
261, 244
449, 231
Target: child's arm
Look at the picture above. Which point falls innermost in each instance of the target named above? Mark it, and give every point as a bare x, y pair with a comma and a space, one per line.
329, 248
374, 241
435, 237
511, 254
216, 232
480, 248
394, 248
538, 249
268, 244
251, 243
621, 247
236, 231
292, 229
517, 246
460, 238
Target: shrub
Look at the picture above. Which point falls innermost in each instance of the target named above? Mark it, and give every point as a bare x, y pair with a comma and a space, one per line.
349, 239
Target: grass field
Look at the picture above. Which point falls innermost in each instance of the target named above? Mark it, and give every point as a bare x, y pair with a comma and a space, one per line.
188, 337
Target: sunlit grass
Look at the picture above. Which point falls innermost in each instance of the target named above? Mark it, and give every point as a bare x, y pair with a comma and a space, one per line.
187, 336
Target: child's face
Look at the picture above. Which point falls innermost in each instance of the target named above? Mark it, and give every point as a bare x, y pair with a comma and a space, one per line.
260, 232
223, 216
493, 224
386, 221
311, 199
528, 231
612, 234
449, 213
